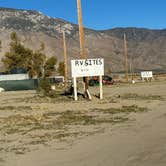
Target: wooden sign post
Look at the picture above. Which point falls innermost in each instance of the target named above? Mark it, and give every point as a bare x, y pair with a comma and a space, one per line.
82, 44
65, 58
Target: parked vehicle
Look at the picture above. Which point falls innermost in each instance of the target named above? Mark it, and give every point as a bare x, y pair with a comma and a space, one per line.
107, 80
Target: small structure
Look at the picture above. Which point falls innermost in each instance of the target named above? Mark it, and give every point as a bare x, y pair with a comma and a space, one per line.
13, 82
146, 75
8, 77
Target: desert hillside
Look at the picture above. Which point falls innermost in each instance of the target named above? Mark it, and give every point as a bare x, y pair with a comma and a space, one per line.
146, 48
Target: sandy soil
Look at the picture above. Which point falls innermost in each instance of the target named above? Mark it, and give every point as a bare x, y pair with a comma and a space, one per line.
127, 128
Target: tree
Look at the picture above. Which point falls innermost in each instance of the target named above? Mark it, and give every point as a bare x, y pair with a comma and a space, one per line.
14, 37
18, 55
34, 62
61, 68
49, 66
42, 47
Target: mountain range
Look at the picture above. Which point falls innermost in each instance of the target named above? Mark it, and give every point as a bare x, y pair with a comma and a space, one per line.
146, 47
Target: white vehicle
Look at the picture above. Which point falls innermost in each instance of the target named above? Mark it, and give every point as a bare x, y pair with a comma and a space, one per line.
2, 90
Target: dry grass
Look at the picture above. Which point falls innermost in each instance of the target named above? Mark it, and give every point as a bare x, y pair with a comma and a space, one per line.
42, 128
134, 96
51, 126
123, 109
15, 108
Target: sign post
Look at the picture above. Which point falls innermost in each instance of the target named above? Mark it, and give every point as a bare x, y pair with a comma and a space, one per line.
65, 57
75, 88
87, 68
101, 87
126, 57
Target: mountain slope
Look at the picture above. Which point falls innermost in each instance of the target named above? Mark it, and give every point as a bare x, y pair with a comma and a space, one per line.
146, 48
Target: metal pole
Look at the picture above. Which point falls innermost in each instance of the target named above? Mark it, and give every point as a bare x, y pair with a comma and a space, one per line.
65, 58
126, 57
82, 40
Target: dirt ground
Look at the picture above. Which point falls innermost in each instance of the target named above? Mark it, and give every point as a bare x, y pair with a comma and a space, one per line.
126, 128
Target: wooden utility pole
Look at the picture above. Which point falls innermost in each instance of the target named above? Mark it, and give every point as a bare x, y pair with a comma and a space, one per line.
65, 58
126, 57
82, 41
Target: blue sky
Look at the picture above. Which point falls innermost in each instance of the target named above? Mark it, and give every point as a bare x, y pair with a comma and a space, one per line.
101, 14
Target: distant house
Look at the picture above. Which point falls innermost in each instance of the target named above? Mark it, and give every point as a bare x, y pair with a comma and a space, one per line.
13, 82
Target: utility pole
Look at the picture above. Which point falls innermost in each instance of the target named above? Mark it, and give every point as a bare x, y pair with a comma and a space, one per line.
82, 42
65, 57
126, 57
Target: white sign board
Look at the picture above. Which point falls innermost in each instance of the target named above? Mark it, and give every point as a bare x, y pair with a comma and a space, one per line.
146, 74
87, 67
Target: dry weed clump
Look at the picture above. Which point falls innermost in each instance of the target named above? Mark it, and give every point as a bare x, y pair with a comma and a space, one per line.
123, 109
18, 108
134, 96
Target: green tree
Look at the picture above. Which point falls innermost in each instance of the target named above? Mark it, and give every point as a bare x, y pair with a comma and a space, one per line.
42, 47
61, 68
49, 66
34, 62
14, 37
18, 55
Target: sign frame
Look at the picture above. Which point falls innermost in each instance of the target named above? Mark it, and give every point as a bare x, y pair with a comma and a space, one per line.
87, 68
146, 75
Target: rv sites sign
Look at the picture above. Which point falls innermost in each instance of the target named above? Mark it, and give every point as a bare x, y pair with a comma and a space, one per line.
87, 67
